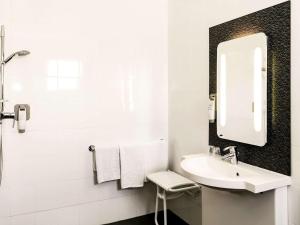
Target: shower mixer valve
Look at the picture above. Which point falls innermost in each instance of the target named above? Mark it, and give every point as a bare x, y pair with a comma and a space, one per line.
21, 114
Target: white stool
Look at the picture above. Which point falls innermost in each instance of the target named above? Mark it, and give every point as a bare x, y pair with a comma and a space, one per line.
168, 181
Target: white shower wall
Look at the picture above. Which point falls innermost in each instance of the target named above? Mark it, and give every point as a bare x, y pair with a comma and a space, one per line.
97, 74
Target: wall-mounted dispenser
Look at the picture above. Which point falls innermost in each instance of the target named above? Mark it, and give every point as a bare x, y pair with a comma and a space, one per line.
22, 114
212, 108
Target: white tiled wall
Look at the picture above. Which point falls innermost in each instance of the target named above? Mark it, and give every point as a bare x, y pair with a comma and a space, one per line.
188, 83
97, 74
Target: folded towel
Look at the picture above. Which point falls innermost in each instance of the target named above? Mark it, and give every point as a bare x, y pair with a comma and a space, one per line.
132, 166
108, 163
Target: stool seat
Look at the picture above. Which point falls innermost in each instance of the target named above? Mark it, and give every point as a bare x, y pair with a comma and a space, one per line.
168, 181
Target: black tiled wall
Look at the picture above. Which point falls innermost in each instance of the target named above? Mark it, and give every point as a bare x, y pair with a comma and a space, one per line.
275, 23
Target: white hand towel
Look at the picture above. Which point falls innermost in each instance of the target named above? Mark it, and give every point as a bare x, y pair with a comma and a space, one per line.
132, 166
108, 163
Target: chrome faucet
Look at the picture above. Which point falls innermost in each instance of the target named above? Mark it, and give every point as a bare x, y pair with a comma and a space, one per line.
230, 155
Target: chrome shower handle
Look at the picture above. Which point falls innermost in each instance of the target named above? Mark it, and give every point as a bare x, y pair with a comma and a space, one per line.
6, 115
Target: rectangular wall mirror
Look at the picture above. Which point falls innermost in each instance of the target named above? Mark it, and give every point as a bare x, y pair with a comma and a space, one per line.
242, 89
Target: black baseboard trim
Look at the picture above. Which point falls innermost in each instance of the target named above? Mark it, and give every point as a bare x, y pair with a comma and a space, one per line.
148, 219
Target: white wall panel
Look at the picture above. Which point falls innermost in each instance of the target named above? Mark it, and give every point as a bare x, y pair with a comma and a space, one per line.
97, 74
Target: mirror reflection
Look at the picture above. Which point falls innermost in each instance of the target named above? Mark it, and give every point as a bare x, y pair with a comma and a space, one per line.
242, 89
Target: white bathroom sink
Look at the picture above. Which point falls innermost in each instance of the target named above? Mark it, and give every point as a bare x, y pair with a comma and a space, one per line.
212, 171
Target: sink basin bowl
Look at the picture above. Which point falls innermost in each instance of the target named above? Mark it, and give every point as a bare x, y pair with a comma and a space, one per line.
214, 172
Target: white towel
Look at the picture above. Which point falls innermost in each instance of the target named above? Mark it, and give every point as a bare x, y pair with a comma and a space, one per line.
132, 166
108, 163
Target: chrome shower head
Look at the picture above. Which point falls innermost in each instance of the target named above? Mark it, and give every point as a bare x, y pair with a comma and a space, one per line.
19, 53
23, 53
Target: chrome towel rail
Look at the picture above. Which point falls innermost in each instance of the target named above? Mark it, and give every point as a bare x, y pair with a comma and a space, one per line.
92, 149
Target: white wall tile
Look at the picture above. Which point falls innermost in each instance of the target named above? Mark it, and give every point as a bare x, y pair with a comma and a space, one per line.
63, 216
103, 212
133, 205
294, 205
29, 219
188, 79
109, 62
294, 190
57, 194
48, 218
97, 74
5, 203
115, 209
295, 163
23, 199
5, 221
89, 192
